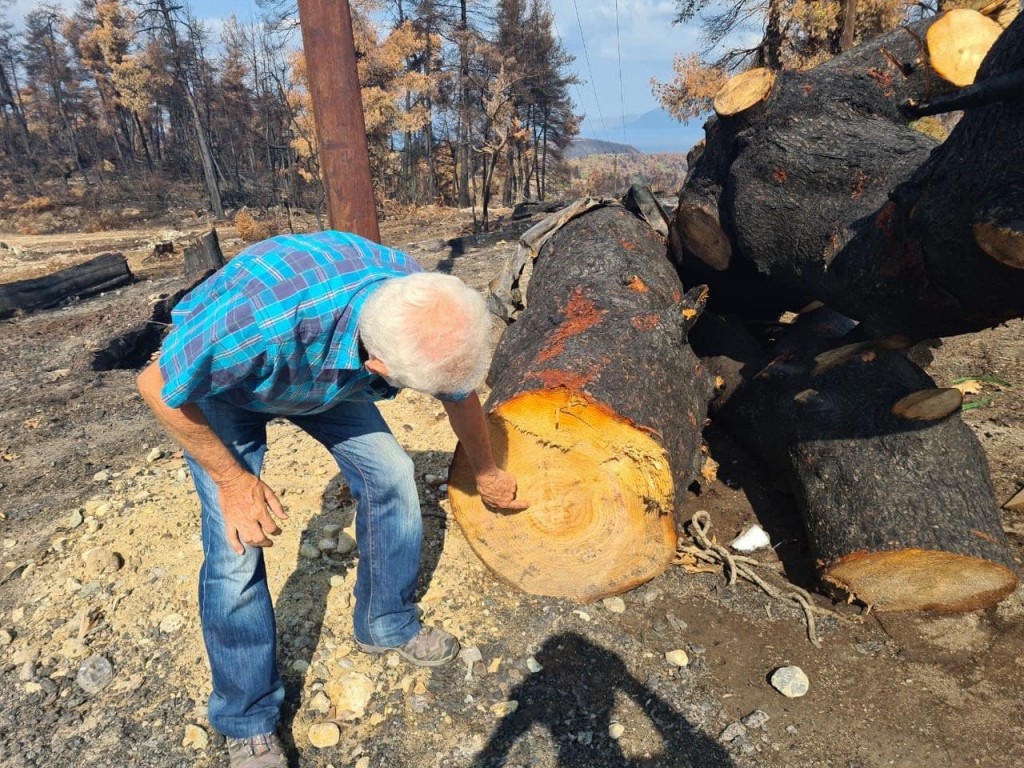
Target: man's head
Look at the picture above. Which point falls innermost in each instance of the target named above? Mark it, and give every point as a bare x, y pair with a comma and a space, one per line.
427, 331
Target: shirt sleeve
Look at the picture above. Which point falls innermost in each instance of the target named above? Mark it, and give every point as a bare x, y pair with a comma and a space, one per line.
210, 350
456, 397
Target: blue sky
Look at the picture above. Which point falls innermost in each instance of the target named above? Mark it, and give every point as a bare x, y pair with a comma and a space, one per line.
646, 37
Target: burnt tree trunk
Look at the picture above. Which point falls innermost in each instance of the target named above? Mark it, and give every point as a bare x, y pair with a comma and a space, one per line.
893, 487
97, 275
203, 257
597, 407
823, 192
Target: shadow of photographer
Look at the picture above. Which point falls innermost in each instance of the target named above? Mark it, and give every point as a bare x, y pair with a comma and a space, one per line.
574, 694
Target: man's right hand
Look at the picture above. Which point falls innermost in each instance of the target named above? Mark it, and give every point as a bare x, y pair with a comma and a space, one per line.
249, 507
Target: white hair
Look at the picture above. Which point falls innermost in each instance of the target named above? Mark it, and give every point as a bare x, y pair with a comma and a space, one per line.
432, 331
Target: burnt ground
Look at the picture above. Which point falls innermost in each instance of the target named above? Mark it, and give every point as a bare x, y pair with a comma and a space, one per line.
84, 469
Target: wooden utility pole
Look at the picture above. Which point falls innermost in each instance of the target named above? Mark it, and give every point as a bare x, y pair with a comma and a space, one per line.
338, 110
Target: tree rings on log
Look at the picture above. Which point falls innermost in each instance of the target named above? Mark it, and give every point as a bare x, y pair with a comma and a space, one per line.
935, 580
958, 42
597, 406
929, 404
744, 91
998, 226
702, 234
595, 484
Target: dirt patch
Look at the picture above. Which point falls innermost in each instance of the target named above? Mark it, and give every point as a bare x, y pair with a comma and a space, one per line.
79, 473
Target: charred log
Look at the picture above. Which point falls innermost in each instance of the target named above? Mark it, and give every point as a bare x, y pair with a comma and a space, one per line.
823, 192
893, 487
103, 273
597, 406
203, 256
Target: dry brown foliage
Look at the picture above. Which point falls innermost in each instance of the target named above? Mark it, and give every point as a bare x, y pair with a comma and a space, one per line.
251, 229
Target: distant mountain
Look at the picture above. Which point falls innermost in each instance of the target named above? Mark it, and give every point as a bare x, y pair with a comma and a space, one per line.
652, 132
588, 147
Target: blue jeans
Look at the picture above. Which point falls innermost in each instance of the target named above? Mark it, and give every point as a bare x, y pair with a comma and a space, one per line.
234, 603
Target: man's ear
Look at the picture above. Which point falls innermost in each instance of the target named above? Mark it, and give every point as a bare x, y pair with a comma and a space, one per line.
376, 365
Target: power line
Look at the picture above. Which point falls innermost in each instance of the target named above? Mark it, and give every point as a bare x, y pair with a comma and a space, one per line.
618, 51
590, 70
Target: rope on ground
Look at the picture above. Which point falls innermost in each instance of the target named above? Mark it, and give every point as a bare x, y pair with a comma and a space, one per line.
734, 566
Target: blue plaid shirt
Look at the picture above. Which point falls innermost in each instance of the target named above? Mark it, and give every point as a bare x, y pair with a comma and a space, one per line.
275, 330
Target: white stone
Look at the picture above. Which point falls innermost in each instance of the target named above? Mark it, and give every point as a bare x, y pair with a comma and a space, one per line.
324, 735
791, 682
615, 730
337, 580
678, 657
100, 561
74, 519
103, 476
533, 665
732, 732
309, 550
172, 623
196, 737
320, 703
74, 648
327, 545
350, 693
6, 637
363, 762
615, 604
751, 540
95, 674
97, 508
25, 656
346, 544
154, 455
504, 708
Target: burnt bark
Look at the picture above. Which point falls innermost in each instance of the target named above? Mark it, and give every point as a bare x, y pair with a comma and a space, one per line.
97, 275
824, 192
900, 513
607, 317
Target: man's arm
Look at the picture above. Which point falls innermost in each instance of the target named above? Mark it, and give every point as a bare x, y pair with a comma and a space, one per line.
496, 486
245, 501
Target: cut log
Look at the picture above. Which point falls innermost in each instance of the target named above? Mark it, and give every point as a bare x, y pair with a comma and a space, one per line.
103, 273
929, 404
744, 91
998, 226
596, 407
958, 42
825, 193
203, 256
897, 503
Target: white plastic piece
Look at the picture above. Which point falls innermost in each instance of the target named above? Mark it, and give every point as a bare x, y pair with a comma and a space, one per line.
751, 540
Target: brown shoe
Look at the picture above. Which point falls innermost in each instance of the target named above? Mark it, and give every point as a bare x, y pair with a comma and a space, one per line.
430, 647
262, 751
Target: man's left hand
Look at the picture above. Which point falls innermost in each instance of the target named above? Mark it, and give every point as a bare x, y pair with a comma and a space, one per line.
497, 490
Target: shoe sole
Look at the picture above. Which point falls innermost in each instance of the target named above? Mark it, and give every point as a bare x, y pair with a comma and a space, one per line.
378, 649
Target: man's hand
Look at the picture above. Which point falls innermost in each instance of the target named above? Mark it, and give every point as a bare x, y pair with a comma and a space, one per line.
247, 503
498, 491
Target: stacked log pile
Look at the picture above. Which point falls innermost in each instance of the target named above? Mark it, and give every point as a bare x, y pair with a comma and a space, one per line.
813, 188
